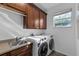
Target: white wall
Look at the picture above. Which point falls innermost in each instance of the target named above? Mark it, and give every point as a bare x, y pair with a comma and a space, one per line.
77, 28
10, 30
65, 38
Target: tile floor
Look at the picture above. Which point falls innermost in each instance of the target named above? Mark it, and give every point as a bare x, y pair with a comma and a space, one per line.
54, 53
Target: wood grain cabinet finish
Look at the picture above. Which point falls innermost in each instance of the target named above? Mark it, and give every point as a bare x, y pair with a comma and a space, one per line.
18, 6
30, 17
5, 54
22, 51
36, 18
43, 20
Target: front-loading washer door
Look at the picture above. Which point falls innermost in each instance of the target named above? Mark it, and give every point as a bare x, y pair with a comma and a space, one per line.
43, 49
51, 44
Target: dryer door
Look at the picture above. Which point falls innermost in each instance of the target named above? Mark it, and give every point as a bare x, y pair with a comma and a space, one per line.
51, 44
43, 49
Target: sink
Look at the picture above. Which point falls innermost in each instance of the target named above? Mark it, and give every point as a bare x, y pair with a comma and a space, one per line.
22, 42
19, 42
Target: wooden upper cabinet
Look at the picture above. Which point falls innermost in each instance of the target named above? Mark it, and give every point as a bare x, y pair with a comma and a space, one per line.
18, 6
36, 18
43, 20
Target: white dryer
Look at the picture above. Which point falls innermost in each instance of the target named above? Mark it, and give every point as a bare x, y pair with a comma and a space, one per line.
40, 46
50, 44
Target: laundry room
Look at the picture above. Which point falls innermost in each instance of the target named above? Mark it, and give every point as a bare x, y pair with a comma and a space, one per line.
39, 29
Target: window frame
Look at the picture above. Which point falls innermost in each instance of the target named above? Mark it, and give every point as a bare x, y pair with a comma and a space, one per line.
61, 13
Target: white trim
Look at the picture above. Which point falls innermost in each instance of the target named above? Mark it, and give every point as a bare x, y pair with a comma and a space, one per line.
63, 11
62, 52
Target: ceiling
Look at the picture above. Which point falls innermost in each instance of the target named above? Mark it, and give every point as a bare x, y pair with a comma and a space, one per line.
46, 6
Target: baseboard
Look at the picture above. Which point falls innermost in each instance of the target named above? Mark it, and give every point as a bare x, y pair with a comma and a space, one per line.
61, 52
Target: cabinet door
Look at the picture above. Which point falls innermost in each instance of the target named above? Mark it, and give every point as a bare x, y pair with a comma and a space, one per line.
22, 51
43, 20
36, 18
30, 18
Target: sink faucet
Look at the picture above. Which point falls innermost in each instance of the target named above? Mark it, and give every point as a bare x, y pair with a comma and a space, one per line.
31, 34
18, 39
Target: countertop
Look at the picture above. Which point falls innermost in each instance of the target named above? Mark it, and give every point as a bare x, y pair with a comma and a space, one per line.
2, 51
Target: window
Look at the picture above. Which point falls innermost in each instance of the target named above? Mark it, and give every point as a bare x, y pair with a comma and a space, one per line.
62, 20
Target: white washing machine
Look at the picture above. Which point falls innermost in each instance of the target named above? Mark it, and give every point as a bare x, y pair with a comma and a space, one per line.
50, 42
42, 45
